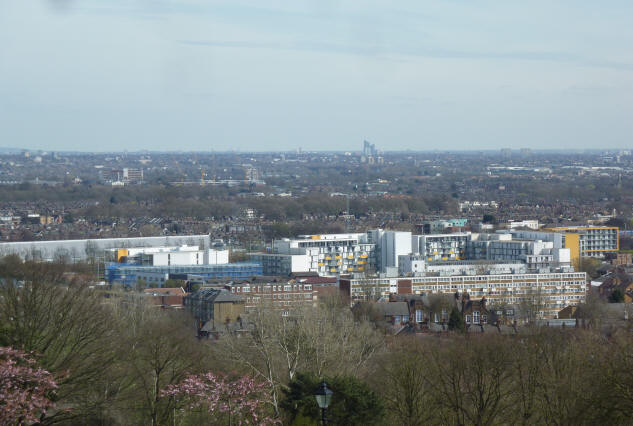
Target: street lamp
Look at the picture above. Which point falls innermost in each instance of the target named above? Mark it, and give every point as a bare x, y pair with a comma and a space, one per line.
323, 397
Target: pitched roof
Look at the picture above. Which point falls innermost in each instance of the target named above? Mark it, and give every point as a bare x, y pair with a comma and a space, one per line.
317, 280
393, 308
164, 291
226, 296
215, 295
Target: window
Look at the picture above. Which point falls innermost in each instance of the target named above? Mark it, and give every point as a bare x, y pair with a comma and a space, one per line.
475, 317
467, 319
418, 315
484, 319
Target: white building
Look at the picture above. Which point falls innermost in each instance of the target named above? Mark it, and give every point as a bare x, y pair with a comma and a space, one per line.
167, 256
441, 246
389, 246
411, 264
538, 255
79, 250
331, 254
383, 251
549, 292
531, 224
415, 265
282, 264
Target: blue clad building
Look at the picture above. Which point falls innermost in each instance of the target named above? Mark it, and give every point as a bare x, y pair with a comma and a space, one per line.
128, 274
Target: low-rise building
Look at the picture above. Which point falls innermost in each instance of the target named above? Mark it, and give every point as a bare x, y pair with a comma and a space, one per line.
549, 292
156, 275
417, 266
166, 256
80, 250
622, 259
441, 225
167, 298
530, 224
212, 308
273, 292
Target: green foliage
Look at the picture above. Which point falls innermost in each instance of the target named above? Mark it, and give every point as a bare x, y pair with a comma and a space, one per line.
140, 285
456, 321
353, 402
589, 265
173, 283
616, 296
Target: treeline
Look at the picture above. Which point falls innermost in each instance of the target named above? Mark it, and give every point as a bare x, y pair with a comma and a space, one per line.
206, 201
116, 360
201, 204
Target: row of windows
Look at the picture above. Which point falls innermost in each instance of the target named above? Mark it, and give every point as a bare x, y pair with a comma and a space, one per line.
477, 318
285, 296
268, 288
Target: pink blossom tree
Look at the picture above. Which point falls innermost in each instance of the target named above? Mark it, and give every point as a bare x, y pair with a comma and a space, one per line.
24, 388
240, 401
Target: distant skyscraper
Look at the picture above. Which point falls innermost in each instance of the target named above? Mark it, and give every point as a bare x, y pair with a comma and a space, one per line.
369, 149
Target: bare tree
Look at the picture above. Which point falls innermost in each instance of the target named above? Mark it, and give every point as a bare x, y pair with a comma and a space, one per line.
322, 340
471, 379
403, 380
160, 353
66, 323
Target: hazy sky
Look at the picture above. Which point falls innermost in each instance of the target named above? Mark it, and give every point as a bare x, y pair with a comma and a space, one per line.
320, 74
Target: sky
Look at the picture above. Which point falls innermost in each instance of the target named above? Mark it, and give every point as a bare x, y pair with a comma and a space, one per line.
258, 75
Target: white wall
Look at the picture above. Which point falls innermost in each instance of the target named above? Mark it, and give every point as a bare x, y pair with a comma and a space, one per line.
217, 257
300, 263
562, 255
392, 245
178, 258
411, 264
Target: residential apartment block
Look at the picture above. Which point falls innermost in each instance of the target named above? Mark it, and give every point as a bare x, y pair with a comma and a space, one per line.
549, 292
441, 246
594, 241
282, 264
331, 254
589, 240
382, 251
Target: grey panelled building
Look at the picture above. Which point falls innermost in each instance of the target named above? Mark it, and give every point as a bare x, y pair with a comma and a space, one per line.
78, 250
